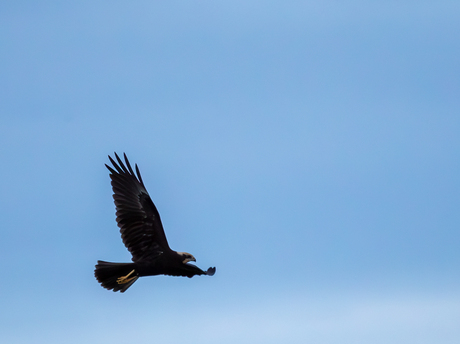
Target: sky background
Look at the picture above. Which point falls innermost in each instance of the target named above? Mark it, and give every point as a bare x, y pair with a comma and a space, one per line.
310, 150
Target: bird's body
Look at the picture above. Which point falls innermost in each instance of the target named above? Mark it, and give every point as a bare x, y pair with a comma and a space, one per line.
143, 235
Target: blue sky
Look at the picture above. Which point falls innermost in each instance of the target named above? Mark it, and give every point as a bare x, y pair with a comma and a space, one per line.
309, 150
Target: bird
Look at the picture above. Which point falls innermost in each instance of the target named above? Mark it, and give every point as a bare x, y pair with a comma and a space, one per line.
142, 233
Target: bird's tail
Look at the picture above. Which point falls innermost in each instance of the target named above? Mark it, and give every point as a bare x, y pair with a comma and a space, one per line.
116, 276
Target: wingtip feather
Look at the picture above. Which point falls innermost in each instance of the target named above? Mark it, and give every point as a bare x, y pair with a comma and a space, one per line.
128, 164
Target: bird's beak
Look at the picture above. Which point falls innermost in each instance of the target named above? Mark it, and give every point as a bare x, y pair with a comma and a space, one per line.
186, 260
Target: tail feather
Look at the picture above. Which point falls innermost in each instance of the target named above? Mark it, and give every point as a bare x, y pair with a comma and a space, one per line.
109, 275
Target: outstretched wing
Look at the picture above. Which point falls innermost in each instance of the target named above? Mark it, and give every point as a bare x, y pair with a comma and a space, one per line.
138, 218
189, 270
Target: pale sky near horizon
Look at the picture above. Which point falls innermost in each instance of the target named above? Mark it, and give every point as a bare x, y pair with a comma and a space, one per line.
309, 150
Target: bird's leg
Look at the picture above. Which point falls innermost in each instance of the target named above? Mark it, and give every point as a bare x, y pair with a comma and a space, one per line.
125, 279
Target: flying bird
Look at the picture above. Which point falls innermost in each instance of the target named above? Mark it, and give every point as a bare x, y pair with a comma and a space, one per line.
142, 233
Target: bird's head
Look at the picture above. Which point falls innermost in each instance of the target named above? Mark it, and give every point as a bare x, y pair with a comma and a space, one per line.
186, 257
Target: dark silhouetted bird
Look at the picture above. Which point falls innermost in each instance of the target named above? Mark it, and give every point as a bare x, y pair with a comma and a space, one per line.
143, 235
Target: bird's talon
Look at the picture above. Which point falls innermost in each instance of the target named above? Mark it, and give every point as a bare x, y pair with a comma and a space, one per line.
125, 279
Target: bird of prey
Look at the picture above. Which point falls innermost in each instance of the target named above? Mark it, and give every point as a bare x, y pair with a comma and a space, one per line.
142, 233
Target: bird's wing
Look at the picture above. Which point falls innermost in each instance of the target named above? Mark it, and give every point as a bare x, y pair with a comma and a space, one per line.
189, 270
138, 218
